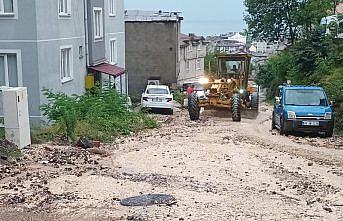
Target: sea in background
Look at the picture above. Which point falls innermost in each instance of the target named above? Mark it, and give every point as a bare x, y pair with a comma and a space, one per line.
212, 27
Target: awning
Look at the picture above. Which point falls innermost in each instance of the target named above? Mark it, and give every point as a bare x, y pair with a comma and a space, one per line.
109, 69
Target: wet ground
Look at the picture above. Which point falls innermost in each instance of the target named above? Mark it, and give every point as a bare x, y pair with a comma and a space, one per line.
215, 169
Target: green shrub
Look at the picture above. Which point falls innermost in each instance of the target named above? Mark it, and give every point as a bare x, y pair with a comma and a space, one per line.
334, 87
2, 133
179, 97
99, 115
277, 71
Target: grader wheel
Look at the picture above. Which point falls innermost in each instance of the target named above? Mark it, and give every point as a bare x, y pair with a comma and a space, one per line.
255, 100
193, 108
236, 108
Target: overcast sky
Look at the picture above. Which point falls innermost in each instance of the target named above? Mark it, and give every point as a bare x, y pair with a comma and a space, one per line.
227, 15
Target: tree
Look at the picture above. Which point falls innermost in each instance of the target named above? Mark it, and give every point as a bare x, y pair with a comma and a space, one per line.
281, 20
211, 63
272, 19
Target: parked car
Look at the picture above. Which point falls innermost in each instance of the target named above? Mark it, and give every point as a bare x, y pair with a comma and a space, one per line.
304, 109
158, 97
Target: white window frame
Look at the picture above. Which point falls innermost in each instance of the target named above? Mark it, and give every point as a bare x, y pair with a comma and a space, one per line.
65, 79
9, 15
64, 13
112, 8
19, 65
101, 23
190, 47
198, 64
113, 55
188, 66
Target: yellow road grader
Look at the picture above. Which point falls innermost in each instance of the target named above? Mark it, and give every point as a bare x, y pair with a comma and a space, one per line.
228, 89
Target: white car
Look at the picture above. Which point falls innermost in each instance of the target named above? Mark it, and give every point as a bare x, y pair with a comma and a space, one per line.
158, 97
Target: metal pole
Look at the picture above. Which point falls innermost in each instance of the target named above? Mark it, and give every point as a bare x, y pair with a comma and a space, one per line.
121, 85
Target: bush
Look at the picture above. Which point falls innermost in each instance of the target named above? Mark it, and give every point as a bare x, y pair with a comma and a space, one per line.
99, 115
313, 60
334, 87
277, 71
2, 133
179, 97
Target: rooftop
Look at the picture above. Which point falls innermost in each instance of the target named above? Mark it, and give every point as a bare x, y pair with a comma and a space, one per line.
152, 16
302, 87
190, 37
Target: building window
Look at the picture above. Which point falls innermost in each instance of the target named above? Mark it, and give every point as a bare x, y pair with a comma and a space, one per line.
112, 7
80, 52
6, 7
66, 64
113, 52
64, 8
187, 66
198, 64
189, 48
98, 23
8, 70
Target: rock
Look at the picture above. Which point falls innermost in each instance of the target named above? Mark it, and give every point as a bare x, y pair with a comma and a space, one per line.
49, 149
327, 208
130, 218
96, 144
84, 143
97, 151
169, 120
310, 164
146, 200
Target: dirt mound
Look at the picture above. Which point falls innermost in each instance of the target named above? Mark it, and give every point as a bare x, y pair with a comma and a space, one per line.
7, 144
9, 152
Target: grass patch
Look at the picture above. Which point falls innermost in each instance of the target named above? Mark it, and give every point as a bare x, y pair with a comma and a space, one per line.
8, 152
179, 97
100, 115
2, 133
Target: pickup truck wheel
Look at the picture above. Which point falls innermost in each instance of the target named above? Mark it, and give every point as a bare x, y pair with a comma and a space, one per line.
193, 108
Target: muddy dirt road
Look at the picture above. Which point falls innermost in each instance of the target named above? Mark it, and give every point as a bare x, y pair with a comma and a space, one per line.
215, 168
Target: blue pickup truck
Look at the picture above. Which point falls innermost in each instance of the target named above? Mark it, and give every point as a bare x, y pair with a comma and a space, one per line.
303, 109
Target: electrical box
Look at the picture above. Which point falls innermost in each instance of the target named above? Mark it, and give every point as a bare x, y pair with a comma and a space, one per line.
16, 116
89, 81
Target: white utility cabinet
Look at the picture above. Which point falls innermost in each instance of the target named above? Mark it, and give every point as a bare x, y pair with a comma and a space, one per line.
16, 116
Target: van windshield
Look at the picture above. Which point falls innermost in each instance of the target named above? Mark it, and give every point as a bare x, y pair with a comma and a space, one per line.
305, 98
157, 91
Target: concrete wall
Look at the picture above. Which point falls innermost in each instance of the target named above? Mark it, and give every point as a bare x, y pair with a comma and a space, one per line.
37, 32
96, 47
190, 70
115, 29
152, 51
62, 31
20, 34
